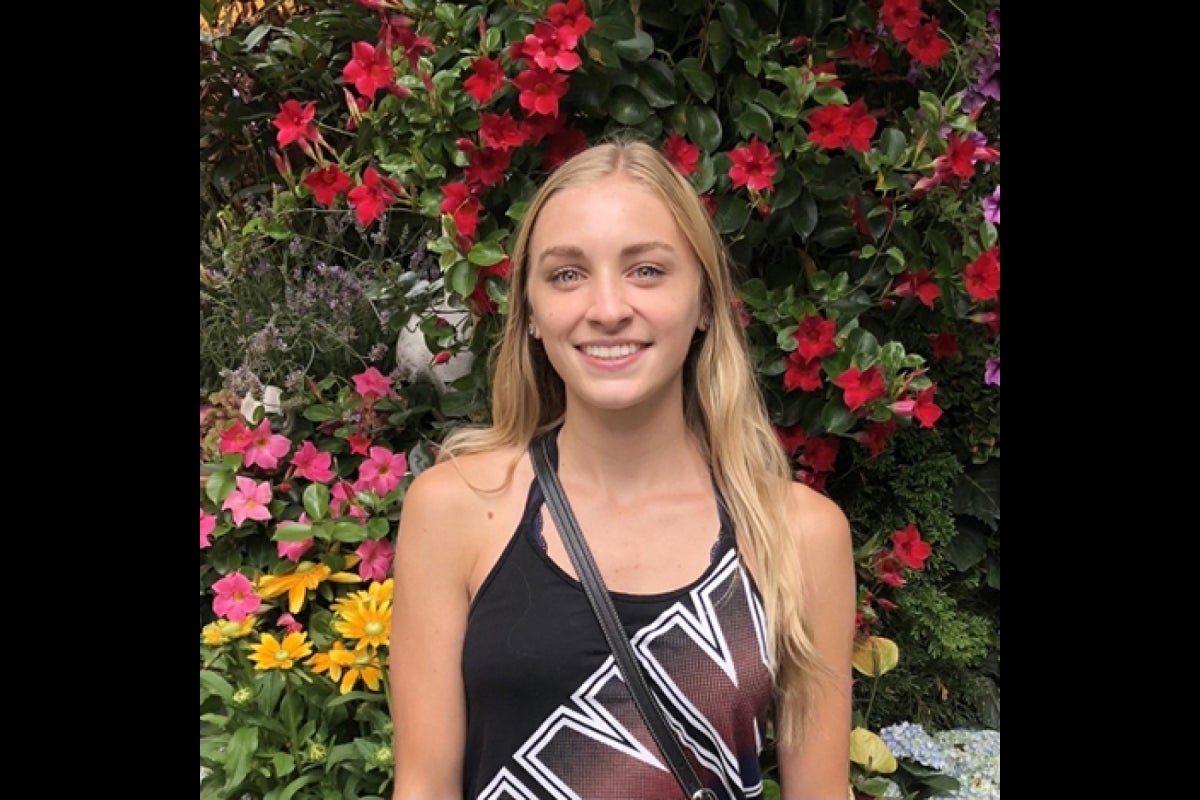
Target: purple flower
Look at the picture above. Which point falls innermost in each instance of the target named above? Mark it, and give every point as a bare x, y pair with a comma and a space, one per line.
991, 372
991, 206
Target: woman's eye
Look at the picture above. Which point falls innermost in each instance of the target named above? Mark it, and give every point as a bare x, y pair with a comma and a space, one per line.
647, 271
565, 275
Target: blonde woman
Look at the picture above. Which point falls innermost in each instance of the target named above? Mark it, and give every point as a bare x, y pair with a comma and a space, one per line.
735, 582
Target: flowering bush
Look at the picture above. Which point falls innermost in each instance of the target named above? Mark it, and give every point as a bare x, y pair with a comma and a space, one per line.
363, 165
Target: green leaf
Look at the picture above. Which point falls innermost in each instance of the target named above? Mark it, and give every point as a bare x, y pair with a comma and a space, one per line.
700, 81
292, 531
636, 48
485, 254
977, 493
891, 143
239, 755
461, 277
290, 790
219, 485
215, 684
628, 107
736, 19
319, 413
656, 83
617, 24
803, 215
966, 549
755, 121
704, 127
378, 527
732, 213
817, 14
316, 501
836, 418
719, 46
347, 531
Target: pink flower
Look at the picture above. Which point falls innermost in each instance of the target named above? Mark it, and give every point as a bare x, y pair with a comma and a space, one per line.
207, 523
372, 384
909, 549
286, 620
313, 464
382, 471
235, 438
293, 550
235, 598
249, 500
376, 559
266, 448
753, 166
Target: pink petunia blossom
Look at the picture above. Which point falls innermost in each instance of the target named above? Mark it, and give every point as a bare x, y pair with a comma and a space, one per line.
376, 559
235, 598
381, 471
207, 523
266, 448
249, 500
313, 464
286, 620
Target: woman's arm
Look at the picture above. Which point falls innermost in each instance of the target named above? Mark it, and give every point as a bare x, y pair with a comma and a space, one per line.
429, 618
817, 766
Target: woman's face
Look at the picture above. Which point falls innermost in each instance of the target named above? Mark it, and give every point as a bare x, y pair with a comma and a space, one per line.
615, 293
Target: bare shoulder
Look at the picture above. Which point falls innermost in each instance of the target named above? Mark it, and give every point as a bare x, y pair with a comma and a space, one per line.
818, 519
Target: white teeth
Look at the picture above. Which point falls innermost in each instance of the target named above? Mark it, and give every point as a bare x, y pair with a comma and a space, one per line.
620, 351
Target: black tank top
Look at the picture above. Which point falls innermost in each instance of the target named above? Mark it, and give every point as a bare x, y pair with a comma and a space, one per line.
548, 715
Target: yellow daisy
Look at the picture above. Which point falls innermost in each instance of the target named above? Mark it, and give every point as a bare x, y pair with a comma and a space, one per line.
367, 667
365, 620
332, 660
224, 631
297, 583
270, 653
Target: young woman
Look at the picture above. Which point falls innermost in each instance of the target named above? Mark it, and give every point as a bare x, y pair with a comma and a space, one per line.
734, 582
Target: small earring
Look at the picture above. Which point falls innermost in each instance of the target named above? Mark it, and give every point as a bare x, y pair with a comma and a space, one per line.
706, 323
532, 330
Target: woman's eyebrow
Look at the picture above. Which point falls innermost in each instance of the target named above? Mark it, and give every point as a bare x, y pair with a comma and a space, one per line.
571, 251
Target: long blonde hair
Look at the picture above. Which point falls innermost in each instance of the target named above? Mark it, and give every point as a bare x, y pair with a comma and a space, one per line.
723, 408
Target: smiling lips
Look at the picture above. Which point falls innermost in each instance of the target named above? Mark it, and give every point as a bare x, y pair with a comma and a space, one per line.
611, 353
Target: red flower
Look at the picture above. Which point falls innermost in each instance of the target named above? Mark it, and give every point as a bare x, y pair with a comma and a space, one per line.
369, 70
888, 570
327, 183
875, 437
791, 437
540, 91
487, 77
537, 128
500, 131
295, 123
562, 144
814, 337
710, 205
487, 167
753, 166
828, 127
925, 411
552, 48
926, 46
359, 444
571, 14
801, 373
909, 549
944, 344
982, 276
820, 453
860, 387
479, 299
459, 203
862, 126
372, 196
396, 32
682, 153
902, 16
920, 286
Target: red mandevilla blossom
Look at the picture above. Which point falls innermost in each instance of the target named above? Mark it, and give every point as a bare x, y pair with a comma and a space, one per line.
862, 126
791, 437
909, 549
371, 197
860, 387
370, 69
820, 452
313, 464
540, 90
815, 337
487, 76
371, 384
982, 276
359, 443
500, 131
462, 206
926, 46
902, 17
828, 127
944, 344
571, 14
327, 183
396, 32
553, 48
682, 153
802, 373
487, 167
876, 436
295, 123
926, 411
753, 166
479, 299
919, 285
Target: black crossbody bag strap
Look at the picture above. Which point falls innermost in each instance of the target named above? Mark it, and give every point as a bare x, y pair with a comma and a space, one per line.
614, 632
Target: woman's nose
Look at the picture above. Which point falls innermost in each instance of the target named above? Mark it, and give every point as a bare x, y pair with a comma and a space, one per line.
609, 302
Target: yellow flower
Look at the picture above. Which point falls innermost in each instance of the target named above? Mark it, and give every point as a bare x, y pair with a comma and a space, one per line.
332, 660
270, 653
367, 667
377, 592
366, 620
224, 631
870, 752
875, 656
305, 577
